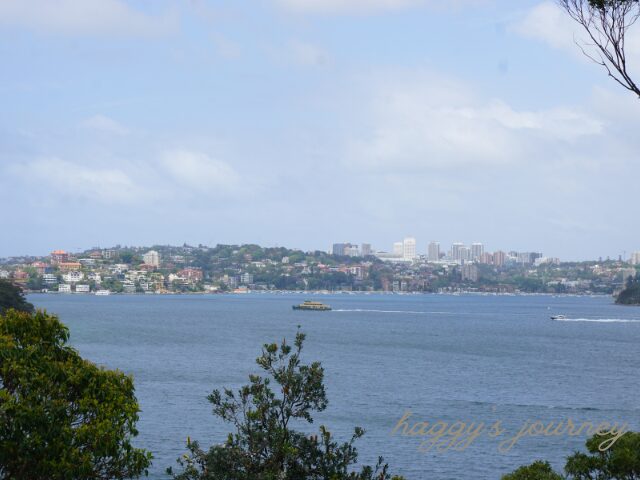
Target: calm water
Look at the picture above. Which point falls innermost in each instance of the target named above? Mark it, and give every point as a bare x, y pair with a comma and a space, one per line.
469, 358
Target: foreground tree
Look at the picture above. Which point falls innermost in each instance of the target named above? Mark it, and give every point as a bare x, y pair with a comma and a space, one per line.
606, 23
620, 462
264, 446
536, 471
11, 296
61, 417
631, 293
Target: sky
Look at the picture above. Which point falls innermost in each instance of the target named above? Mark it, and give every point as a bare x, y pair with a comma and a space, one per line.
301, 123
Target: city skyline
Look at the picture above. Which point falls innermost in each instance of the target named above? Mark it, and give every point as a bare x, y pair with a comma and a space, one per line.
295, 123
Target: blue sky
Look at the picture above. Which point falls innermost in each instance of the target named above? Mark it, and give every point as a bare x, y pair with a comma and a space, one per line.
307, 122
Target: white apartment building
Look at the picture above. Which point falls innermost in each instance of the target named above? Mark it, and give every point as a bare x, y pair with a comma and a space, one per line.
635, 258
151, 258
64, 288
398, 249
73, 276
409, 248
82, 288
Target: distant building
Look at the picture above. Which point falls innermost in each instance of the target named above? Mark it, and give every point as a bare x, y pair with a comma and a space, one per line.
486, 258
499, 258
433, 252
464, 254
64, 288
365, 249
40, 267
340, 249
246, 278
191, 275
409, 248
58, 256
470, 272
73, 276
69, 266
398, 249
635, 258
108, 254
528, 258
151, 258
49, 279
455, 251
82, 288
352, 251
477, 249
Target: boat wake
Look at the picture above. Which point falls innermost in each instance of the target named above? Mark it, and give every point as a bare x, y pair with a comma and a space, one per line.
597, 320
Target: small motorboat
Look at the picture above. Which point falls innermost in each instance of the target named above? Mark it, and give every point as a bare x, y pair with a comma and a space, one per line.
558, 317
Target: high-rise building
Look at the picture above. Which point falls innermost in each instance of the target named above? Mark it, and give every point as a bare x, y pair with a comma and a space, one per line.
464, 254
470, 272
151, 258
409, 248
635, 258
499, 258
398, 249
455, 250
486, 258
433, 252
477, 249
352, 250
339, 248
365, 250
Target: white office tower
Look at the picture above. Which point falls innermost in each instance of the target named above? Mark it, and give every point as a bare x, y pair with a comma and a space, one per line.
455, 250
409, 248
398, 249
635, 258
477, 249
433, 253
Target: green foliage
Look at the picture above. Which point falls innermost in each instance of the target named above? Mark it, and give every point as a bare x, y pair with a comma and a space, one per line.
604, 4
631, 294
619, 462
11, 296
61, 417
264, 445
536, 471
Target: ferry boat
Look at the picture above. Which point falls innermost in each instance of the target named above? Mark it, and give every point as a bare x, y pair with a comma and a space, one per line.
103, 292
309, 305
558, 317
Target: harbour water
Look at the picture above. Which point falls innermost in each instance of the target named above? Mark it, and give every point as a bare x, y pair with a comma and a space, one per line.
464, 358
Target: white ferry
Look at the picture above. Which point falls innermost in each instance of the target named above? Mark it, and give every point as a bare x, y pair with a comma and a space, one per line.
103, 292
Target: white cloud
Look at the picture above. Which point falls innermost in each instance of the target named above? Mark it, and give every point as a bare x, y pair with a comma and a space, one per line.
309, 54
430, 122
104, 124
75, 181
548, 23
200, 172
363, 6
85, 17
